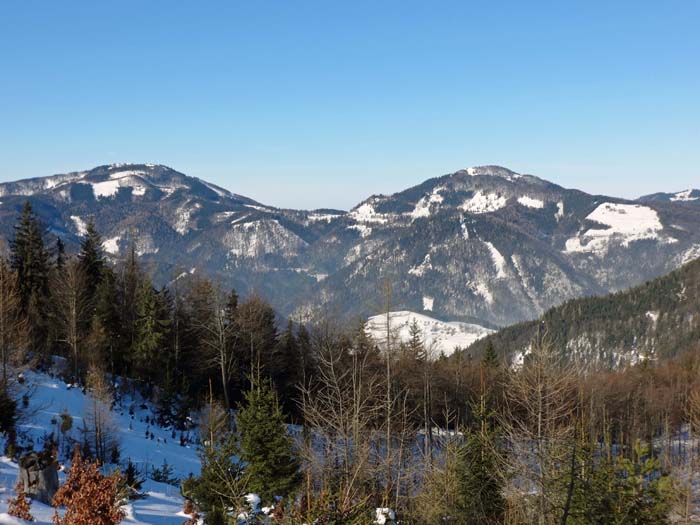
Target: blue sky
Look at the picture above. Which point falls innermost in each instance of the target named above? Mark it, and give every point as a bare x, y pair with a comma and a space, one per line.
310, 104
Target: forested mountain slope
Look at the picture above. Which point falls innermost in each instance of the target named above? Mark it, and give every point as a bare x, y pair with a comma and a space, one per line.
483, 245
655, 320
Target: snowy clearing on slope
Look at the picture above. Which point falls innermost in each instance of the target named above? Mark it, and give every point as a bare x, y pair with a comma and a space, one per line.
267, 236
625, 223
111, 245
530, 202
685, 196
423, 206
366, 213
438, 336
499, 261
80, 225
484, 203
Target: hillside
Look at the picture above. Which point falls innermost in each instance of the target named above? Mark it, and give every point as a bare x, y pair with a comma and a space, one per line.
437, 336
657, 319
483, 245
49, 397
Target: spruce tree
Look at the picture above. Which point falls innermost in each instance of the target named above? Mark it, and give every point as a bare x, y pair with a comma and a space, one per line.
266, 449
30, 259
222, 481
285, 370
480, 499
91, 257
151, 327
60, 260
490, 358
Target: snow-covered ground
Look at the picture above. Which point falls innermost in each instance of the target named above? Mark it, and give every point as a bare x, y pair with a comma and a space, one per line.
162, 504
438, 336
624, 223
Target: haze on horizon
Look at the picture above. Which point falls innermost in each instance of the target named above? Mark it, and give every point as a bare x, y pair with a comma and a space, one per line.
319, 105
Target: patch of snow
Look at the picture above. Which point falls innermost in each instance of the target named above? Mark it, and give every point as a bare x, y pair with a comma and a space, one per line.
560, 210
438, 336
464, 228
384, 516
107, 188
365, 231
419, 270
498, 261
684, 196
653, 317
625, 223
256, 238
484, 203
530, 202
111, 245
482, 289
424, 204
326, 217
366, 213
428, 303
80, 225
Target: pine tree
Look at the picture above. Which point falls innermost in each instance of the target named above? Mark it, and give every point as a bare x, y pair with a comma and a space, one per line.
266, 449
20, 506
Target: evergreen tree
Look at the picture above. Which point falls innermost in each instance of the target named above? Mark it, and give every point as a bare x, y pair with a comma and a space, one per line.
151, 328
490, 358
285, 369
30, 259
479, 487
222, 482
91, 257
266, 449
620, 490
128, 285
106, 327
60, 255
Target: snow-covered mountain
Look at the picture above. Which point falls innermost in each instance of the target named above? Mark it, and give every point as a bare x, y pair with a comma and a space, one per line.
484, 244
438, 337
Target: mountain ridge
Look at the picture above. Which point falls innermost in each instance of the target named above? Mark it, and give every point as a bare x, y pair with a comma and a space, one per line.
483, 244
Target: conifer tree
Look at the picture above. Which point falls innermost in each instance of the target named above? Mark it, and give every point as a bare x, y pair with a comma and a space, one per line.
30, 259
266, 449
60, 254
285, 370
223, 480
490, 358
480, 499
151, 327
91, 257
13, 324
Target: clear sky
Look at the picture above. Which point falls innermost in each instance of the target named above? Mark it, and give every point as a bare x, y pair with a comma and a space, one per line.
319, 104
